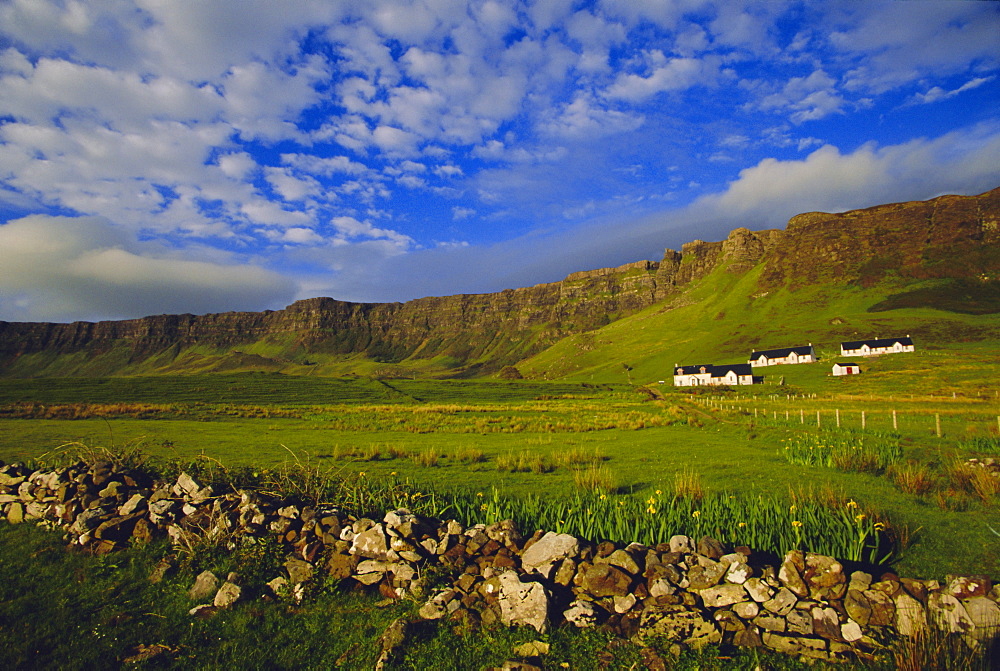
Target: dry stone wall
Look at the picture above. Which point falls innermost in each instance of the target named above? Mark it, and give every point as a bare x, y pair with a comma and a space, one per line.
689, 591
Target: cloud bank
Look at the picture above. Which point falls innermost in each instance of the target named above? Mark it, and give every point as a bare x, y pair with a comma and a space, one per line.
176, 157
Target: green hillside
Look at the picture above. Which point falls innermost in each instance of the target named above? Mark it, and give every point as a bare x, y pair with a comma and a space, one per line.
723, 318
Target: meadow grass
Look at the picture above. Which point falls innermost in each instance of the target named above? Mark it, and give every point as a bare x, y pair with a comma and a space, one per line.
567, 440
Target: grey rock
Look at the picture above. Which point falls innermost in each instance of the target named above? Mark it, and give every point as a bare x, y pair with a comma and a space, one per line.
371, 543
746, 610
985, 614
722, 595
582, 614
524, 603
851, 631
227, 595
682, 544
758, 590
782, 602
549, 549
205, 585
910, 616
299, 571
689, 627
797, 646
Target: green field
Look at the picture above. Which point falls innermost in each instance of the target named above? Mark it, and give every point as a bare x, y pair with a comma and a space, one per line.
526, 438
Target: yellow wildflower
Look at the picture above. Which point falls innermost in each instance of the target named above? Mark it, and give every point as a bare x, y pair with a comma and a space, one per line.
792, 508
796, 523
879, 526
361, 474
741, 525
658, 492
696, 513
852, 504
860, 517
483, 507
651, 510
479, 494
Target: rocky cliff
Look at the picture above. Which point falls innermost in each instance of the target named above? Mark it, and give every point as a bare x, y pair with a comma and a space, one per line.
950, 236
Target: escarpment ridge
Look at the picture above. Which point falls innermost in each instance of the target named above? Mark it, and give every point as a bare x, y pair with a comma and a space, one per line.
470, 334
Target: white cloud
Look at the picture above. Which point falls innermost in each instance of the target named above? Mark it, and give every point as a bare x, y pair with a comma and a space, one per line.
448, 171
897, 43
807, 98
936, 93
772, 191
324, 166
237, 164
301, 236
666, 74
459, 213
292, 188
586, 118
65, 268
266, 212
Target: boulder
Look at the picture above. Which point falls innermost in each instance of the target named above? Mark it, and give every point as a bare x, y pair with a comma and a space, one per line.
600, 580
524, 603
688, 627
371, 543
985, 614
205, 585
910, 616
549, 549
227, 595
722, 595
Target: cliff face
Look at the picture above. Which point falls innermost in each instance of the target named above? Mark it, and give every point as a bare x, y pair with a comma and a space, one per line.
951, 236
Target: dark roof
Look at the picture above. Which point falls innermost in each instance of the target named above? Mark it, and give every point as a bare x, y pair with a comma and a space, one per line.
781, 352
876, 342
693, 369
738, 368
847, 364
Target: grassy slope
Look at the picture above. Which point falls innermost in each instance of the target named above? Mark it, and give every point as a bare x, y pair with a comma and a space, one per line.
721, 319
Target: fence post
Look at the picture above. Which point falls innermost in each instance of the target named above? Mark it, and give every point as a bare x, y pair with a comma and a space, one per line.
802, 416
817, 419
838, 417
896, 426
937, 424
862, 420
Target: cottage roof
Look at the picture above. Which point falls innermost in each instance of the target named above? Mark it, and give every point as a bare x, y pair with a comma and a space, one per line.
876, 342
738, 368
782, 352
693, 369
846, 364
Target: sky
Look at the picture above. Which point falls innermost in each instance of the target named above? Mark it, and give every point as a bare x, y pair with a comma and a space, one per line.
169, 156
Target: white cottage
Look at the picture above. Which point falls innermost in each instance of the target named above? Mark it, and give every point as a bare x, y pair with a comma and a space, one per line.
876, 346
783, 355
709, 374
692, 376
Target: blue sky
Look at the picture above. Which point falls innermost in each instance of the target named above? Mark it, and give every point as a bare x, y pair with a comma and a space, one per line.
160, 156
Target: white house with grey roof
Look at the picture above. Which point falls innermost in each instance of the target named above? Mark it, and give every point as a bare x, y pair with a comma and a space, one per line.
876, 346
710, 374
783, 355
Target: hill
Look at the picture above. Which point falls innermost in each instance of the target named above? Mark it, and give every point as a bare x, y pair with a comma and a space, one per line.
927, 268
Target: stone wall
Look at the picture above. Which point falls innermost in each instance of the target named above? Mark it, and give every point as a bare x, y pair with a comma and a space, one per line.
690, 591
